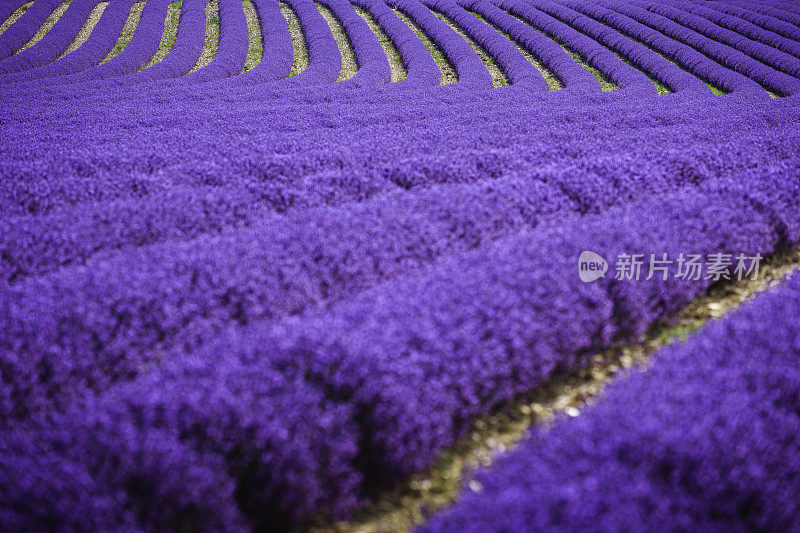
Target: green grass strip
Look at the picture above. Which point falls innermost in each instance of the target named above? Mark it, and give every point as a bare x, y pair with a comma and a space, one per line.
47, 26
255, 47
349, 61
211, 43
300, 50
171, 22
448, 72
499, 78
392, 55
127, 31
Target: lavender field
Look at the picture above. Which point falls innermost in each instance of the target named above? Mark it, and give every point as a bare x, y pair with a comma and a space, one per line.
270, 266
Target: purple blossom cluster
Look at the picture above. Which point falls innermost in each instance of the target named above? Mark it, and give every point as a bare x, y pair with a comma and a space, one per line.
234, 301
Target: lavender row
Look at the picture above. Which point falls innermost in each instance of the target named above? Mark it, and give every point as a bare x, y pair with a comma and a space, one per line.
686, 56
81, 108
143, 46
613, 41
236, 50
739, 22
126, 67
98, 154
777, 11
37, 244
231, 53
673, 76
705, 438
373, 66
94, 163
420, 66
469, 69
403, 375
9, 8
225, 447
97, 142
787, 6
277, 55
325, 60
760, 17
186, 50
399, 350
228, 60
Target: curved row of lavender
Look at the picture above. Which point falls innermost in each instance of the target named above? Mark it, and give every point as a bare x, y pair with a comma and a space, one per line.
237, 301
705, 438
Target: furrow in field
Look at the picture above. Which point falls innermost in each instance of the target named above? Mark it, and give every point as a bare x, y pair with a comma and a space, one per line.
170, 33
88, 27
47, 26
255, 39
127, 31
212, 36
349, 62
